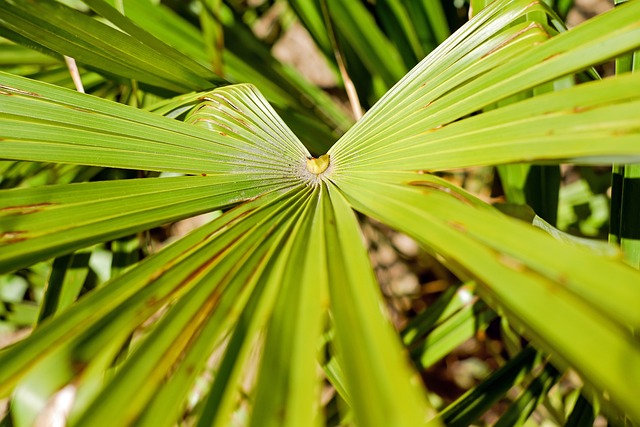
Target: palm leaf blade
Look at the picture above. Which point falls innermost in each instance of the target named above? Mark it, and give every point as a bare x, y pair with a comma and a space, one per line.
89, 41
34, 221
596, 320
374, 348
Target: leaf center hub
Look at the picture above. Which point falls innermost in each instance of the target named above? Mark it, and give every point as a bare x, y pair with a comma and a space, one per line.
318, 165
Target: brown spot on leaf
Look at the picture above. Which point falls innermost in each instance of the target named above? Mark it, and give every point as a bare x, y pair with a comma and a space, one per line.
243, 122
151, 301
580, 109
514, 36
12, 236
82, 110
201, 268
563, 279
7, 90
26, 209
442, 188
227, 101
512, 263
533, 3
433, 129
458, 226
551, 57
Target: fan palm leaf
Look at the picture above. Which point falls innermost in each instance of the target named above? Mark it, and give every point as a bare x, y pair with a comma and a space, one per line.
285, 262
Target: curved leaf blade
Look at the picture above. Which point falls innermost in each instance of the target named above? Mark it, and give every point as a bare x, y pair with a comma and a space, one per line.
365, 340
95, 44
524, 273
34, 222
477, 67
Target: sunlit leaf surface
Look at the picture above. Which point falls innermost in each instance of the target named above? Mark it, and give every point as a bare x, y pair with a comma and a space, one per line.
280, 283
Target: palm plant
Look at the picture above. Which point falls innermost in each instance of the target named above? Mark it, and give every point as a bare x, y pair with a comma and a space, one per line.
279, 283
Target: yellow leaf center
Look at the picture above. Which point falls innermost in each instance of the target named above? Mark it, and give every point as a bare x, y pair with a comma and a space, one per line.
319, 165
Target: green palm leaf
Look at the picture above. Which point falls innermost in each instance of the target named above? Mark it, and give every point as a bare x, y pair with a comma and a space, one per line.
502, 258
66, 31
34, 223
262, 283
483, 70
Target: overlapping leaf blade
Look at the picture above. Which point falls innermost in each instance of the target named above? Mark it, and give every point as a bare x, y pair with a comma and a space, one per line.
273, 160
476, 401
576, 124
355, 303
524, 274
54, 27
482, 70
194, 326
305, 107
286, 389
63, 126
34, 222
549, 127
46, 123
145, 282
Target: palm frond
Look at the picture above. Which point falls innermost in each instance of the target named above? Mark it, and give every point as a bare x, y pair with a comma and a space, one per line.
280, 283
